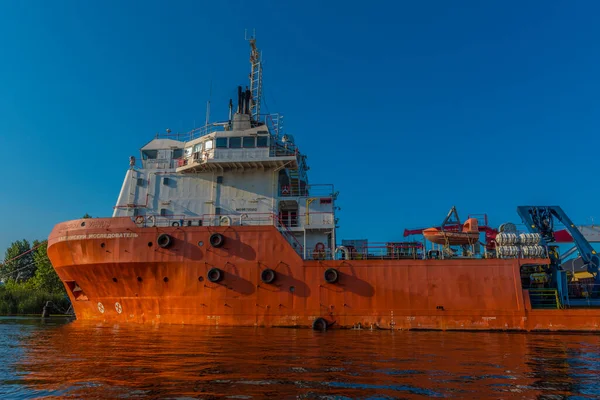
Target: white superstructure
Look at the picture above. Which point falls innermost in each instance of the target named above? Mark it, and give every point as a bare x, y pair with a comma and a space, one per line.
244, 171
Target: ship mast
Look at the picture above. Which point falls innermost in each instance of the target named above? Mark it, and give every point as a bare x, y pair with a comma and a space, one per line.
255, 78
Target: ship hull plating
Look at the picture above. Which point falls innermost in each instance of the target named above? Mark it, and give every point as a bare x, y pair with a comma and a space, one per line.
115, 271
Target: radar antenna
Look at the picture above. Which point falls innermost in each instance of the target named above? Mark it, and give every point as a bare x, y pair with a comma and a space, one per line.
255, 77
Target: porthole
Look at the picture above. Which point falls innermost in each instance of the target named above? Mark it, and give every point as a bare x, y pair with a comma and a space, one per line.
292, 289
115, 280
102, 245
201, 243
149, 244
139, 278
201, 278
165, 279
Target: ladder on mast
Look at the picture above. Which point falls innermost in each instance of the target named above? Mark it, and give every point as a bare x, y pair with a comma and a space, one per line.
255, 79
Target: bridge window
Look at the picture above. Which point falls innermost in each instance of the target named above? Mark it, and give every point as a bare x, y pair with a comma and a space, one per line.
150, 154
249, 142
262, 141
208, 145
197, 147
222, 143
235, 142
177, 153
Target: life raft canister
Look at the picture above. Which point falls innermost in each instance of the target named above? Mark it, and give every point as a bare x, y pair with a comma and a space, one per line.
285, 190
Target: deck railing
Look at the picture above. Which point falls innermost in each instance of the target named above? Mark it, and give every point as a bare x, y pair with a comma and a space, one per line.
584, 294
243, 219
387, 251
272, 122
194, 133
323, 190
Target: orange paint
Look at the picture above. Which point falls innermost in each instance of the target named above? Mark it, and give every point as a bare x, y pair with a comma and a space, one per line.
115, 271
468, 235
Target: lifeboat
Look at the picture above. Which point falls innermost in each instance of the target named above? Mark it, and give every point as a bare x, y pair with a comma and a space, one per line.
468, 235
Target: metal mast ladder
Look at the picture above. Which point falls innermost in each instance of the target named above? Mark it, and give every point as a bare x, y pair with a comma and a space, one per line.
255, 79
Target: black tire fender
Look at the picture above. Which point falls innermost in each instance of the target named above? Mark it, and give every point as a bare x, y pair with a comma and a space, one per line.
268, 275
331, 275
217, 240
214, 275
165, 241
320, 325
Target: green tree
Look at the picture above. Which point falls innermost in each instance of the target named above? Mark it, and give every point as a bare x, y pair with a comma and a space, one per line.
87, 216
18, 265
45, 279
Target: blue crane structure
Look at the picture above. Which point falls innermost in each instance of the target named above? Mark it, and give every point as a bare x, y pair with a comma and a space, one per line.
540, 219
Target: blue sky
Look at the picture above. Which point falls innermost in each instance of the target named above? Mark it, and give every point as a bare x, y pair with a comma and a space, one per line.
407, 107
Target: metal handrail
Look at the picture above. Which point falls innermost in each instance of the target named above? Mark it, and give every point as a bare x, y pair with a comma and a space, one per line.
217, 127
584, 290
194, 133
314, 190
242, 219
387, 250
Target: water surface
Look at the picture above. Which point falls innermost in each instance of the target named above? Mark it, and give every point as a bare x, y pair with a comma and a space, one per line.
82, 360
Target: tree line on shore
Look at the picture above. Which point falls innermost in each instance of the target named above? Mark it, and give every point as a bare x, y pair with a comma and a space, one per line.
28, 280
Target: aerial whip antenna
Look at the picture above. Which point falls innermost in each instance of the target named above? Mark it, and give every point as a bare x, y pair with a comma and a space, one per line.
208, 103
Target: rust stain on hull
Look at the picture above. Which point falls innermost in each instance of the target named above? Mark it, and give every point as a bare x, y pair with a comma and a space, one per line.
115, 271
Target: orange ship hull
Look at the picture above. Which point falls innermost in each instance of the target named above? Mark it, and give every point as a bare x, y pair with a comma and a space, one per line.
115, 272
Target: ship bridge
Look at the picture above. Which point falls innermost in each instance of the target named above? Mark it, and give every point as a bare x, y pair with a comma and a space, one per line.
238, 146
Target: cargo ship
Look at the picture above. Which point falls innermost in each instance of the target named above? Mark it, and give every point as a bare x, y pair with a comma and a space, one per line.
221, 226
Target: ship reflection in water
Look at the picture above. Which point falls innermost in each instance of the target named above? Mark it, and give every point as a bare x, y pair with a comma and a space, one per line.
86, 360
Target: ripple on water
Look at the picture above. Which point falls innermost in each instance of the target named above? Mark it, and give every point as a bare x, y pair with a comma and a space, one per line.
131, 361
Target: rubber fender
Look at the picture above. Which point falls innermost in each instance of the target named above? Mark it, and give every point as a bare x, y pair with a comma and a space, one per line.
164, 241
214, 275
319, 324
268, 275
217, 240
331, 275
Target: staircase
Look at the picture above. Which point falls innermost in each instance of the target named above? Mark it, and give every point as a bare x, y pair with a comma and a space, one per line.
294, 182
544, 299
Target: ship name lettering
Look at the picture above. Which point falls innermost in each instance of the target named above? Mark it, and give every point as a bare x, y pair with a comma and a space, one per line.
116, 235
246, 209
